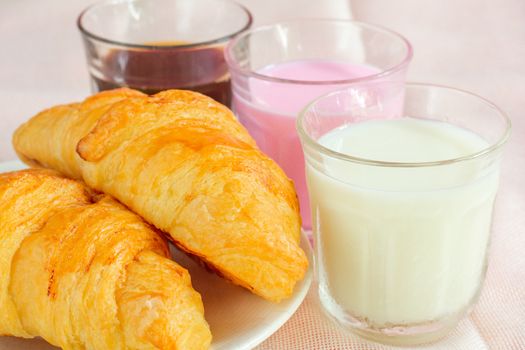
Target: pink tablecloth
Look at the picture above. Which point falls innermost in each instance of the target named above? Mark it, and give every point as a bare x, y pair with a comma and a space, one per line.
471, 44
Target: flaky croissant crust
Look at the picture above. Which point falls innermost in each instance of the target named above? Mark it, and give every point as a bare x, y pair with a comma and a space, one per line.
182, 162
83, 272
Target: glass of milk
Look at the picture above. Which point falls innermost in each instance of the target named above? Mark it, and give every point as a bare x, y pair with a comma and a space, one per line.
401, 206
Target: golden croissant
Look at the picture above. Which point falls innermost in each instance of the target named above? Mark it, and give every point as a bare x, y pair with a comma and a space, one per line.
183, 162
83, 272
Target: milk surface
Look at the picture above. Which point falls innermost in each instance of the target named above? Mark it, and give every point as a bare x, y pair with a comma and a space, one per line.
401, 246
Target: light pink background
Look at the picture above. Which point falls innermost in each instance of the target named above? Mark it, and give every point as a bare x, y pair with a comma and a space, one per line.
478, 45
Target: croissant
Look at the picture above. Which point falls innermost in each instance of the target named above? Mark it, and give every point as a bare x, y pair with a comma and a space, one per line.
83, 272
183, 162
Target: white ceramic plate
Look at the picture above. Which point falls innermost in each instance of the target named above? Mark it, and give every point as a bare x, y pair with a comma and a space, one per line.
238, 319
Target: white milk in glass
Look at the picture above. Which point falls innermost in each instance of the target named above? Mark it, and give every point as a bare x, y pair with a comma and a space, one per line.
401, 246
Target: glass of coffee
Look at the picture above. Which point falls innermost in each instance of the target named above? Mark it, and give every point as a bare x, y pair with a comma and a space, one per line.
154, 45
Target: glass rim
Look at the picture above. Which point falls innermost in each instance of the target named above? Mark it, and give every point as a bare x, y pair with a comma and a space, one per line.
234, 65
493, 146
84, 31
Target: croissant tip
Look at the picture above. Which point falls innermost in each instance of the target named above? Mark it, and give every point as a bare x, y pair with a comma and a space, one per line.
80, 151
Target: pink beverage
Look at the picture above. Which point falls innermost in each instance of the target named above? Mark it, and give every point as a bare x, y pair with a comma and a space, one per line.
276, 70
270, 115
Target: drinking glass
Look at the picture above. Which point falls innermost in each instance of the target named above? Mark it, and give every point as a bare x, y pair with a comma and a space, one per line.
277, 69
401, 246
154, 45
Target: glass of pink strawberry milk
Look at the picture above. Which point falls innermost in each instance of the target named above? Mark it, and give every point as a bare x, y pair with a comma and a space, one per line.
276, 70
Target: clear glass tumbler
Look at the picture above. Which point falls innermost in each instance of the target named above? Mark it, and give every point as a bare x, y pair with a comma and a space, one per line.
402, 207
154, 45
277, 69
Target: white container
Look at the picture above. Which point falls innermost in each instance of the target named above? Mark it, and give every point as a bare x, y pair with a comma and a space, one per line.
402, 208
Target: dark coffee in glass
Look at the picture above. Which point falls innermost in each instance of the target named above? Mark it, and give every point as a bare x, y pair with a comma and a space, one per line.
155, 45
